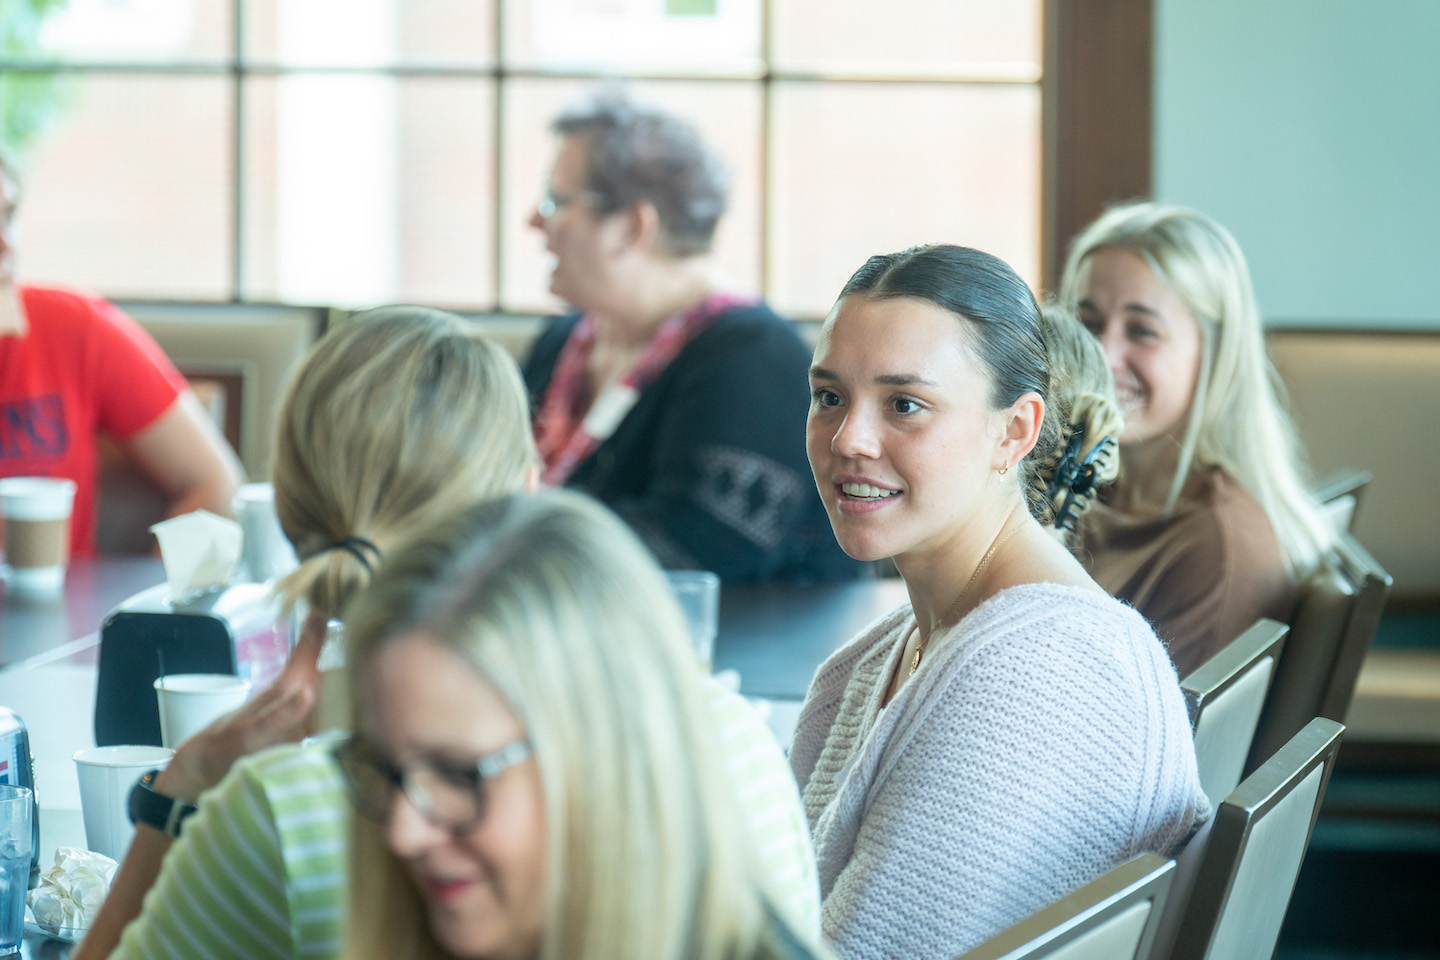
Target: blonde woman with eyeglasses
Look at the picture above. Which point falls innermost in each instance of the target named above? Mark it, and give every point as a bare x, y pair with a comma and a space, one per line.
1209, 526
533, 761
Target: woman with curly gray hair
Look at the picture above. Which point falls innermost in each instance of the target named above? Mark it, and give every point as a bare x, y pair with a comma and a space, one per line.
675, 402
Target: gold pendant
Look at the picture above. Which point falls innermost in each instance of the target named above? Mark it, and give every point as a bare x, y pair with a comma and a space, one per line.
915, 662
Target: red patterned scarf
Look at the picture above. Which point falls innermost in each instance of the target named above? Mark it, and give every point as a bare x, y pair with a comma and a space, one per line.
571, 423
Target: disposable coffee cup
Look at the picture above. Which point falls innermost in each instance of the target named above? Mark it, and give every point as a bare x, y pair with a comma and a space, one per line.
698, 593
265, 553
106, 776
190, 702
36, 512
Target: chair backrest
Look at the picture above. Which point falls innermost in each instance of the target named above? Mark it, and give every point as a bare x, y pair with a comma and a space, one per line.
1335, 620
1256, 845
1113, 918
1225, 696
1339, 496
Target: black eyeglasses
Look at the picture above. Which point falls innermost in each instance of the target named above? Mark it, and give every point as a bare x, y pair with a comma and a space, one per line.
448, 795
552, 203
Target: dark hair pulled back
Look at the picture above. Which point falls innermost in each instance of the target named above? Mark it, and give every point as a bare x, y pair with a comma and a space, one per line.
1004, 329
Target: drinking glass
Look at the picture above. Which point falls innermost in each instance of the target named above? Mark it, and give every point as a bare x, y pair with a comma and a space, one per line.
698, 593
15, 853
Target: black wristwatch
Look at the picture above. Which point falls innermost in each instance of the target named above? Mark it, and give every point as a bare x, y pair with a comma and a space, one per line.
157, 810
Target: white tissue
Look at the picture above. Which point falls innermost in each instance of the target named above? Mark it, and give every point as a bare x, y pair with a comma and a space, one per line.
71, 892
199, 550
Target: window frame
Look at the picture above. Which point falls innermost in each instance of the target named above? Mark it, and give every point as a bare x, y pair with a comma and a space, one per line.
1096, 116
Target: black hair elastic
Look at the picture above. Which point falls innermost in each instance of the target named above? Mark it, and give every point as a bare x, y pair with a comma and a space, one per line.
357, 547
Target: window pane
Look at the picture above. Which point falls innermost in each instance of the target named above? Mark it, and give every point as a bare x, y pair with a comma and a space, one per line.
459, 33
728, 115
861, 169
129, 192
918, 36
365, 190
141, 31
636, 36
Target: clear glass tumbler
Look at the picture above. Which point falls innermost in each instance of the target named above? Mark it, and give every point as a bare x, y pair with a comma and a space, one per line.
15, 853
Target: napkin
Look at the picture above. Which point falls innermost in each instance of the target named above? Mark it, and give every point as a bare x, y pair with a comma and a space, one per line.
199, 550
71, 892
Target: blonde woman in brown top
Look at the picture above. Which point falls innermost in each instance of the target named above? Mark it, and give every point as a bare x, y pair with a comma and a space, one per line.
1209, 526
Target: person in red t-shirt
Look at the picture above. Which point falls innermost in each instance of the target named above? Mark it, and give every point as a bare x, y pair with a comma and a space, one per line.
74, 366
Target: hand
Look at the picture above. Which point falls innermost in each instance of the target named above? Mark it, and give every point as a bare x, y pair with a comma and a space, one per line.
276, 715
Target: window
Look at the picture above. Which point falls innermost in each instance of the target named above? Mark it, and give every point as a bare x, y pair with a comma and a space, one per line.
250, 150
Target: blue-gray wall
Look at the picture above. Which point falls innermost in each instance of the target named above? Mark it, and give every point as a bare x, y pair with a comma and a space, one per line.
1311, 128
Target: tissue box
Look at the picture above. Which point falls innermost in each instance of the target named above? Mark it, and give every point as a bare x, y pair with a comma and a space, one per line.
240, 629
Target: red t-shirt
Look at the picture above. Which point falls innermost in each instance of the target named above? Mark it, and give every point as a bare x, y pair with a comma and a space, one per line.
83, 368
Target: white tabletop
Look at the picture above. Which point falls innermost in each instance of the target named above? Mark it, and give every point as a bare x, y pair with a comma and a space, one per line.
57, 703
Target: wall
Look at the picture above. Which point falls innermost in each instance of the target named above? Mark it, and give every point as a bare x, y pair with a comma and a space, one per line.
1311, 128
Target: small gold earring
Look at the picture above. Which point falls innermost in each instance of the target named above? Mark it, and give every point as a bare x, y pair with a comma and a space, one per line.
1004, 468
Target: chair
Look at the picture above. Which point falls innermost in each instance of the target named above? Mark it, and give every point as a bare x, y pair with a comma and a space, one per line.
1334, 622
1113, 918
1246, 871
127, 500
1339, 496
1225, 696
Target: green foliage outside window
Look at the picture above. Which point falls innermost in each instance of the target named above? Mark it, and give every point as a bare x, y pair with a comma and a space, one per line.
29, 99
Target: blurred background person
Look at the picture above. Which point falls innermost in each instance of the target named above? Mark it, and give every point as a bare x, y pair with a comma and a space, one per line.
679, 405
533, 762
73, 367
1210, 525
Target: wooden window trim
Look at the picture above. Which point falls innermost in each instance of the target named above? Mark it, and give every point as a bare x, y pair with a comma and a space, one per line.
1096, 116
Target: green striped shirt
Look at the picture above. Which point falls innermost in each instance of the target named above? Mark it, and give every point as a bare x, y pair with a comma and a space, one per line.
260, 871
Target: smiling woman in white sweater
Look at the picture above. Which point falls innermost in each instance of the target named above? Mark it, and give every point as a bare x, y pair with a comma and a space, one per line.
1012, 732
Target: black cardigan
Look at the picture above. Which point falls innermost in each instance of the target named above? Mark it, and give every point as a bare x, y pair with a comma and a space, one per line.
709, 466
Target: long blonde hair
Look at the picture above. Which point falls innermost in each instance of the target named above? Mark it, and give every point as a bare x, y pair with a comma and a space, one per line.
397, 417
1238, 418
554, 601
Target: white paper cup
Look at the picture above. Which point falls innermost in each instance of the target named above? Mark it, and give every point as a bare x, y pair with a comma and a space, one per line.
106, 776
36, 512
190, 702
265, 553
698, 593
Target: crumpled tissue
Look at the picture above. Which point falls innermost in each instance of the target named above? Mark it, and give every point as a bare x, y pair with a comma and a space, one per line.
71, 892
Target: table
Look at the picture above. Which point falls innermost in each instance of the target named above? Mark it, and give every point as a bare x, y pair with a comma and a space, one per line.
34, 629
775, 635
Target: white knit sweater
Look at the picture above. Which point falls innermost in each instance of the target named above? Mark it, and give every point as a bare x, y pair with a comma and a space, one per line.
1043, 741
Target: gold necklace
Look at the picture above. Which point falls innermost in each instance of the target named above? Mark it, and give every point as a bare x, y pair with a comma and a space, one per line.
984, 561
